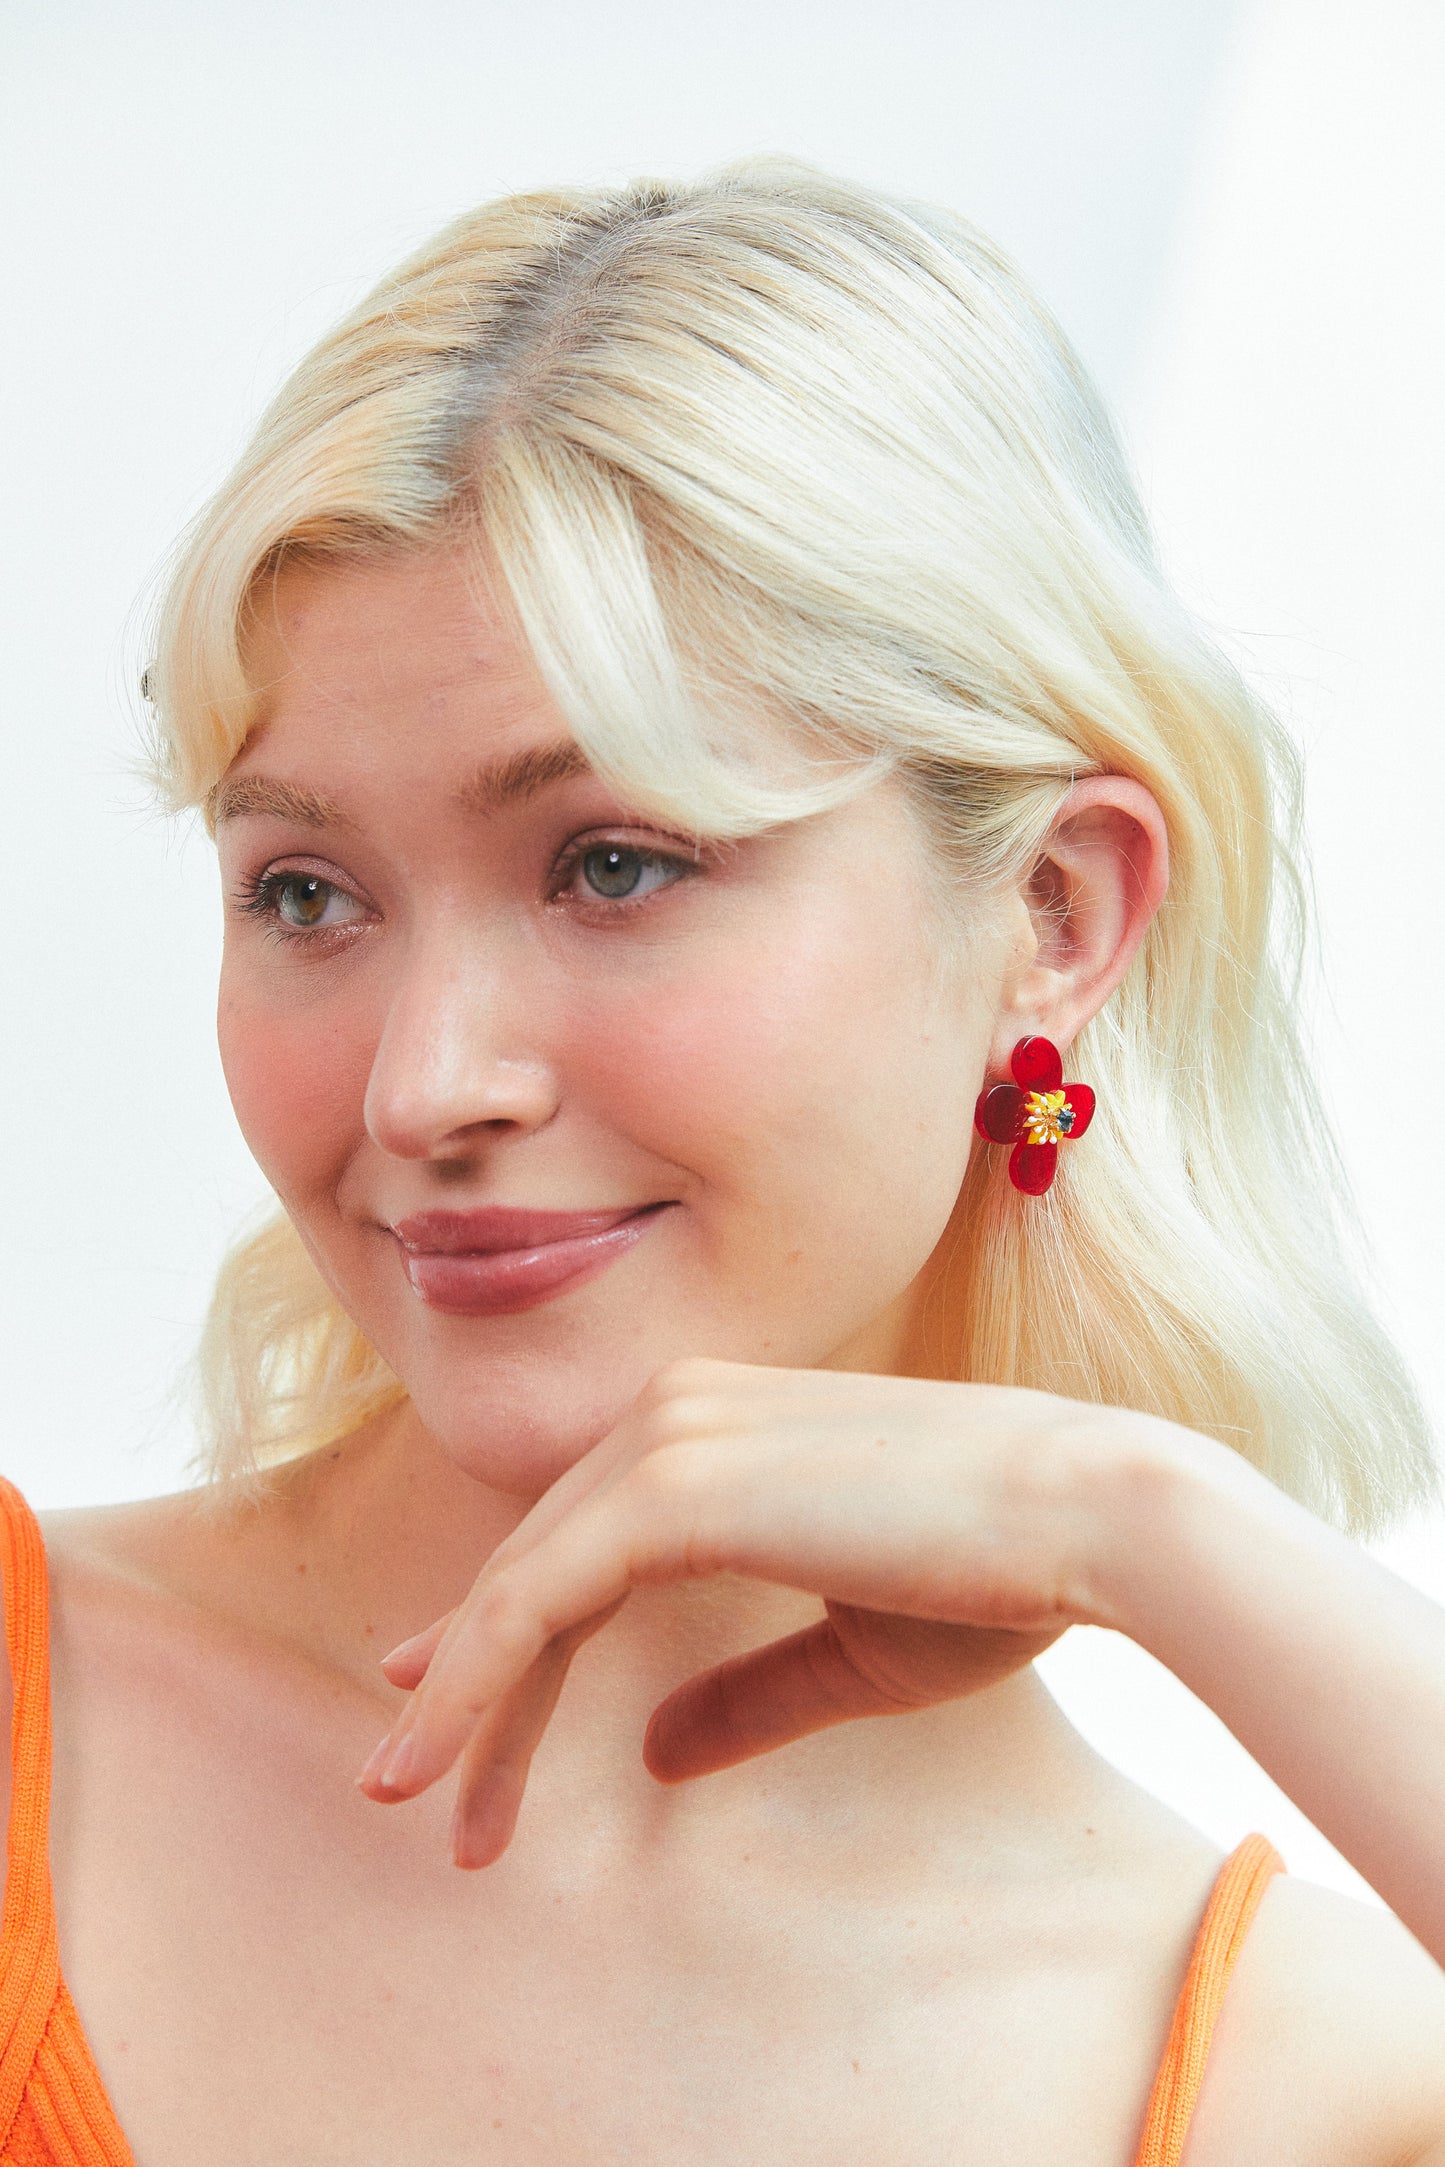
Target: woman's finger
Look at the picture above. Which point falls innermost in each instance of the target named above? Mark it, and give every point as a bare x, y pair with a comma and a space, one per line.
759, 1701
498, 1758
577, 1577
853, 1663
407, 1663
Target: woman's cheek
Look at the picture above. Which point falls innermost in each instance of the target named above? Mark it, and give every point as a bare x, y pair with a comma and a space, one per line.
747, 1032
298, 1087
695, 1063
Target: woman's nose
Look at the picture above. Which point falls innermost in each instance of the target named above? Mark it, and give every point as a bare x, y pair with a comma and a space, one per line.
454, 1063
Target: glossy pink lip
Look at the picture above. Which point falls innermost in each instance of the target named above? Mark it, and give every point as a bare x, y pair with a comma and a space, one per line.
491, 1263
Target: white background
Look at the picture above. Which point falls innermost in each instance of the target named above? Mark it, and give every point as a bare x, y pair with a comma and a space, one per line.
1235, 208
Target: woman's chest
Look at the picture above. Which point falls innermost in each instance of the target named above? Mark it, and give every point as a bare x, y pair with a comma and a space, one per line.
271, 1969
236, 2035
264, 1979
557, 2053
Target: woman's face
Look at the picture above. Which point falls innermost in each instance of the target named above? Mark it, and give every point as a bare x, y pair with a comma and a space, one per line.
552, 1100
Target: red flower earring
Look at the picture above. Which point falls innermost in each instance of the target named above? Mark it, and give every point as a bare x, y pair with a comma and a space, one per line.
1034, 1113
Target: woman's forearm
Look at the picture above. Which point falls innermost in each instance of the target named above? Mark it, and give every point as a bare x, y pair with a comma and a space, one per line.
1328, 1668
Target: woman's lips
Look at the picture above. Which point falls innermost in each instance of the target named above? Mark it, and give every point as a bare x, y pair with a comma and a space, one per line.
492, 1262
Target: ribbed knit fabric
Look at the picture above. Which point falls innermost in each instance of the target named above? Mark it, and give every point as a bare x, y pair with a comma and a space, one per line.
53, 2106
1242, 1881
54, 2111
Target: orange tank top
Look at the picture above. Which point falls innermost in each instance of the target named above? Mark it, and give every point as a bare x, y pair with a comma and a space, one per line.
54, 2111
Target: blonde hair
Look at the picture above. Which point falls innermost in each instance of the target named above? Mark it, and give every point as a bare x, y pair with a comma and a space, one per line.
772, 441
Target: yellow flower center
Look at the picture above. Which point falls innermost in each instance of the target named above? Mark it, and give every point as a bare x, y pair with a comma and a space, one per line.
1048, 1117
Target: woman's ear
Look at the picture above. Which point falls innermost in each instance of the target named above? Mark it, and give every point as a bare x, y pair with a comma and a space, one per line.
1100, 876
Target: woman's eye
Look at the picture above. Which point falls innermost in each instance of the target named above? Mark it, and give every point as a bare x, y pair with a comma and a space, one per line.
306, 903
616, 873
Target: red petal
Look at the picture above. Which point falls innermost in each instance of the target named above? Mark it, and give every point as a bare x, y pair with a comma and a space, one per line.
1081, 1098
1031, 1167
1036, 1064
996, 1115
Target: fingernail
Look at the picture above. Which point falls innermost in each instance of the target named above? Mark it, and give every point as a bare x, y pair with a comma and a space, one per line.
399, 1769
403, 1647
372, 1771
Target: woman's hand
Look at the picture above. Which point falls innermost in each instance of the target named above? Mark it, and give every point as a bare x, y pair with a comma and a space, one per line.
952, 1532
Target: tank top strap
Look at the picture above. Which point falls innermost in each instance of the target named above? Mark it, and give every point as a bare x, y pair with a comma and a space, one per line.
1233, 1902
54, 2109
29, 1958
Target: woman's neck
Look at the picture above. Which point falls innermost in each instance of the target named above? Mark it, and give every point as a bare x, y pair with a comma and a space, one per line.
369, 1541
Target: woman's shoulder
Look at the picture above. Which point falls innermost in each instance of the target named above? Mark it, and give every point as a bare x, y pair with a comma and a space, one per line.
146, 1595
127, 1591
1330, 2043
96, 1559
181, 1553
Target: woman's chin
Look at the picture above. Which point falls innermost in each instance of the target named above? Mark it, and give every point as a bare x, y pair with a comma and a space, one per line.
518, 1441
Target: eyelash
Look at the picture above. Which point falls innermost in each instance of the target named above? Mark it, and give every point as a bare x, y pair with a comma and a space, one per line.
259, 894
259, 897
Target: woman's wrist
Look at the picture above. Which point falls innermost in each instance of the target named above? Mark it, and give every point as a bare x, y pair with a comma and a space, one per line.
1169, 1510
1326, 1667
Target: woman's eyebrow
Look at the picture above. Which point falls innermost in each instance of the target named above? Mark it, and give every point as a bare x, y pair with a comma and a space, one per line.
237, 794
522, 775
495, 784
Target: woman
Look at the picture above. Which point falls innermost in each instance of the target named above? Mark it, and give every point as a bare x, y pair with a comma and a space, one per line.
692, 723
